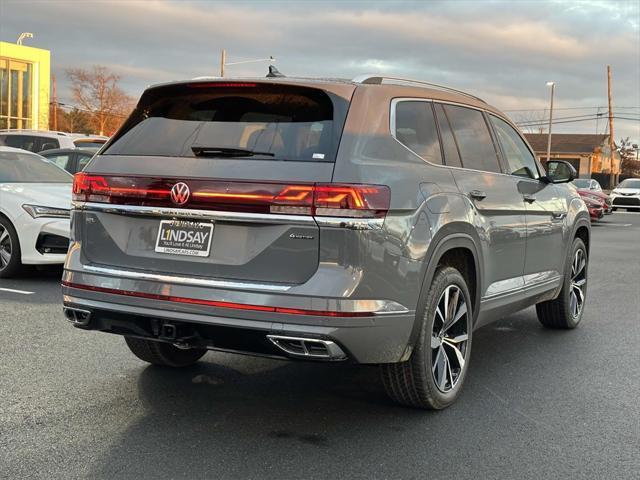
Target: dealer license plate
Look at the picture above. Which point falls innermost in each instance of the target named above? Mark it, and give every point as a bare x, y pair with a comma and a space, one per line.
179, 237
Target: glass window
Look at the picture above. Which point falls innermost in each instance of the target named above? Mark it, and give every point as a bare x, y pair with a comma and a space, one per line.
629, 183
89, 143
25, 142
415, 127
473, 138
279, 122
451, 155
61, 159
519, 158
26, 168
83, 159
48, 144
15, 94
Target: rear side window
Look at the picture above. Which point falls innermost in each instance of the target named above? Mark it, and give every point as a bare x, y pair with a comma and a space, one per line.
63, 160
473, 138
234, 120
519, 158
451, 155
25, 142
48, 144
83, 159
415, 127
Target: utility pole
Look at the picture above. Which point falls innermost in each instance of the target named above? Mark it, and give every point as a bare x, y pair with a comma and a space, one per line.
223, 60
553, 86
611, 137
55, 103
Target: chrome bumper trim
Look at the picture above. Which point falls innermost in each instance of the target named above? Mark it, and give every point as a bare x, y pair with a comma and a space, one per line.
194, 281
376, 307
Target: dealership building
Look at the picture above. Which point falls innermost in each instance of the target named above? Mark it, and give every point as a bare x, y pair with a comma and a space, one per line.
25, 77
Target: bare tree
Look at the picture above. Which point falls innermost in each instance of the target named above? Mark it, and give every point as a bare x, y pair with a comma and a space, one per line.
630, 165
97, 92
532, 121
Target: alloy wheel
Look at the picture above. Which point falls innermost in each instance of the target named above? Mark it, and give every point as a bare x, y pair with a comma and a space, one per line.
5, 247
449, 338
578, 282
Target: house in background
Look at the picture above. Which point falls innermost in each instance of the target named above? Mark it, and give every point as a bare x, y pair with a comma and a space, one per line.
588, 153
24, 87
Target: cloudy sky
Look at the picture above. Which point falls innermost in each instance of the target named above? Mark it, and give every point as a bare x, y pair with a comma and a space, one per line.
501, 51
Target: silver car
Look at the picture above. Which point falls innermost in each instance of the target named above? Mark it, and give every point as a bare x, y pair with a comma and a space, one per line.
376, 221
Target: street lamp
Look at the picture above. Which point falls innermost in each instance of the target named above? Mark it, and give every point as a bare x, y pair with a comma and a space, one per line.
224, 63
24, 35
552, 85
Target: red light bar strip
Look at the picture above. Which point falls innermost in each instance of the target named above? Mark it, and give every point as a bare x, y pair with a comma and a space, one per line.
215, 303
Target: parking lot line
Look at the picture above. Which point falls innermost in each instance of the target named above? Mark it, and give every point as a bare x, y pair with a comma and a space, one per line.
11, 290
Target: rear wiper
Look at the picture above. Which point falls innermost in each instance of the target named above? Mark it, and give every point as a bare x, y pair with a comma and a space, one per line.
202, 151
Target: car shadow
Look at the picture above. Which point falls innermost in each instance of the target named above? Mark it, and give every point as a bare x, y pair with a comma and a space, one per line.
241, 417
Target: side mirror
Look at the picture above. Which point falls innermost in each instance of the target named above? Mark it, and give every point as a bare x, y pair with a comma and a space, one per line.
559, 171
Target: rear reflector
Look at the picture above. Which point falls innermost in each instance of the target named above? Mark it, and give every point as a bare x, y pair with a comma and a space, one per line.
345, 200
216, 303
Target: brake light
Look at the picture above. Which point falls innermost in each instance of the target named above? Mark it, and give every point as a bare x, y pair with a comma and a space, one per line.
351, 200
345, 200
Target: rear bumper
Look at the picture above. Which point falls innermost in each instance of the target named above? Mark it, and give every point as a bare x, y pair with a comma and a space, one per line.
378, 338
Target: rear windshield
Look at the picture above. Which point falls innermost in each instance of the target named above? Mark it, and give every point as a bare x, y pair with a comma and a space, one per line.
26, 168
273, 122
89, 143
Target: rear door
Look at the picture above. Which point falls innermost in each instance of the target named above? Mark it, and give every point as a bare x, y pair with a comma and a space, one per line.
228, 165
499, 207
546, 208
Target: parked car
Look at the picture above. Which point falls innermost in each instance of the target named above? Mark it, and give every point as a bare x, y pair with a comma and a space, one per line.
71, 159
376, 221
81, 140
39, 140
598, 196
587, 184
35, 201
627, 195
596, 210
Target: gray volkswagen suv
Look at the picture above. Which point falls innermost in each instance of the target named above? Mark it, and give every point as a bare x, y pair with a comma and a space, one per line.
376, 221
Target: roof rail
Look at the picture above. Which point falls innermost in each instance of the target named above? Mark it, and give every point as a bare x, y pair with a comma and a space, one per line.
380, 79
30, 130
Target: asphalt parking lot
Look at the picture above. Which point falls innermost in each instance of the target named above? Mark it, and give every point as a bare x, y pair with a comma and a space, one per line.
537, 403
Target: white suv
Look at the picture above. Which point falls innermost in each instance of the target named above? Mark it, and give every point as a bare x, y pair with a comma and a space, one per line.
39, 140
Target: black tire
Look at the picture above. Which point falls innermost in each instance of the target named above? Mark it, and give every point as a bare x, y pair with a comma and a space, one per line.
413, 382
9, 246
560, 312
164, 354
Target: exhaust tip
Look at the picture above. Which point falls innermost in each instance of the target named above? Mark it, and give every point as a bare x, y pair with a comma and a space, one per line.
77, 316
311, 348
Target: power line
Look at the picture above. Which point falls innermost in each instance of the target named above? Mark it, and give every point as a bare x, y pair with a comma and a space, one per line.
566, 108
544, 123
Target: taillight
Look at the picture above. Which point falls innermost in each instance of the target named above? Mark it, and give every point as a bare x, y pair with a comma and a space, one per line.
351, 200
344, 200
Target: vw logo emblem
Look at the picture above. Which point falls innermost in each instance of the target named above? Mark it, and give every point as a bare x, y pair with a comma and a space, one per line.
180, 193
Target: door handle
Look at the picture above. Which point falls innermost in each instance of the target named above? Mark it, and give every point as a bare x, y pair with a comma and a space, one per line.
529, 198
477, 195
558, 215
